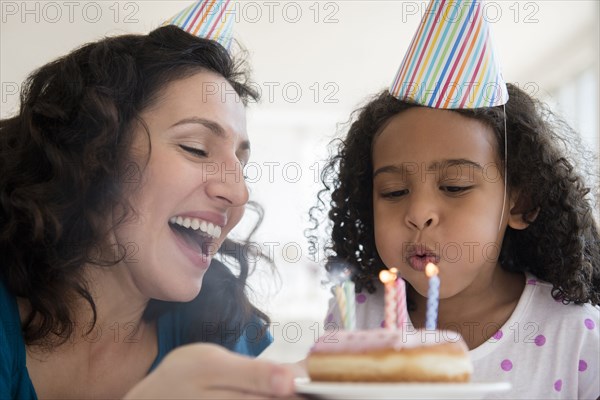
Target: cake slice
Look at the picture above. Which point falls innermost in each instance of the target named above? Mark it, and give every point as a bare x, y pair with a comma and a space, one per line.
382, 355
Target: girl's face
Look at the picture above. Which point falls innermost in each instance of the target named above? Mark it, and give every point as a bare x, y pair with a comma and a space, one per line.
438, 197
191, 192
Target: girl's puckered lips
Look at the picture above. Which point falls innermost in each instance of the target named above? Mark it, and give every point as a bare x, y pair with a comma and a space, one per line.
419, 255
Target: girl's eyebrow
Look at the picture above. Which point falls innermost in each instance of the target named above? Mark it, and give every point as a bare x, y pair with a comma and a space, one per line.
212, 126
454, 162
411, 168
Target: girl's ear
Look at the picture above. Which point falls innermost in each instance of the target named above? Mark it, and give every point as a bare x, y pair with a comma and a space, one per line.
522, 212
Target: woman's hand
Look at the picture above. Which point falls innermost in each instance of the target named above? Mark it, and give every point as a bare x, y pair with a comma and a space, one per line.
209, 371
299, 368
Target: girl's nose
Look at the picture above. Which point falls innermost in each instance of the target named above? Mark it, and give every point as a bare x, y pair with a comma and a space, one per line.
418, 225
227, 184
421, 213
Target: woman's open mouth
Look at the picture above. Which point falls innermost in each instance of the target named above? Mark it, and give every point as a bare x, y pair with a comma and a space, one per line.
197, 238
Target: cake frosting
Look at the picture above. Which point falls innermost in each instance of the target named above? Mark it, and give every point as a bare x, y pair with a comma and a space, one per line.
376, 339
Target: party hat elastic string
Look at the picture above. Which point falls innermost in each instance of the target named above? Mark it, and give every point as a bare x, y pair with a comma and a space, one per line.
505, 169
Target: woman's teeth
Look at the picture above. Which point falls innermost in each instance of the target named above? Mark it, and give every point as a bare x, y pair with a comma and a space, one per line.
198, 224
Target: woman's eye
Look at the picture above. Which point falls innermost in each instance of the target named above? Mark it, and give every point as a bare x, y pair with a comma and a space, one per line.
194, 151
244, 171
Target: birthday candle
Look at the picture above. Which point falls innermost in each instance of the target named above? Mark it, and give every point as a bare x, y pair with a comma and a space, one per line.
348, 287
433, 296
340, 297
389, 278
402, 312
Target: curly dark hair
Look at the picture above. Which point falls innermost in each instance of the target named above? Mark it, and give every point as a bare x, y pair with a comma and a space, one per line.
63, 158
561, 245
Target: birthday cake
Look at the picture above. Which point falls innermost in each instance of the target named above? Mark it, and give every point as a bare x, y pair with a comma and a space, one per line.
384, 355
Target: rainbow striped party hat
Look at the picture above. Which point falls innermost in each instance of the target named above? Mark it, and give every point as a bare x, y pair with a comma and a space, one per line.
451, 62
209, 19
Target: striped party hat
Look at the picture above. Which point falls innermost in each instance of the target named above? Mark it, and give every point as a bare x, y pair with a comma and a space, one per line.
209, 19
451, 62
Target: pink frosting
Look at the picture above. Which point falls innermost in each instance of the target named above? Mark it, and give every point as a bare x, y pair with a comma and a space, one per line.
378, 339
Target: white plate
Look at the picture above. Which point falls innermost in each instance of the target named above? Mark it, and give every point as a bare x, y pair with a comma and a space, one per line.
398, 391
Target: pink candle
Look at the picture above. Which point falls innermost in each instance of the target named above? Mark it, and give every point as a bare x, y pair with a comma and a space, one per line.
401, 310
389, 278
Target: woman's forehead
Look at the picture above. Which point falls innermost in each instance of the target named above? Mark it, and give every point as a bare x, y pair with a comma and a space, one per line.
204, 96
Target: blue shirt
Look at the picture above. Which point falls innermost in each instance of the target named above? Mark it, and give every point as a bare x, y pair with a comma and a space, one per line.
14, 378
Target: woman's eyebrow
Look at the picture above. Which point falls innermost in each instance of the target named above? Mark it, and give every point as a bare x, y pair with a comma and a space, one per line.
212, 126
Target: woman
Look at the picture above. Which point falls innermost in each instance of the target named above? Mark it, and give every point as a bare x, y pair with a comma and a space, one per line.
121, 178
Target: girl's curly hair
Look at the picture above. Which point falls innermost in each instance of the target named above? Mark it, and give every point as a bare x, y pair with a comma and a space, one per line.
64, 161
561, 245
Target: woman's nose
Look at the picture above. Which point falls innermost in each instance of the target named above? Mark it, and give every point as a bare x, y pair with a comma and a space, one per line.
227, 184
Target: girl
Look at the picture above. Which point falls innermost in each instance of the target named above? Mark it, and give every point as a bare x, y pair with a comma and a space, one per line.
516, 244
118, 186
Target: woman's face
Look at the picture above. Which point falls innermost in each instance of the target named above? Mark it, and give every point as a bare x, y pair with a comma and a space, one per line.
438, 197
191, 192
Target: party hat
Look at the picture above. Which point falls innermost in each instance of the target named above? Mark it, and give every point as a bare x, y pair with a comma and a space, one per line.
451, 62
209, 19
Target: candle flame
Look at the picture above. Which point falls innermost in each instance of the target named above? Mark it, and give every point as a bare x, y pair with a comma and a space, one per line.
386, 276
431, 270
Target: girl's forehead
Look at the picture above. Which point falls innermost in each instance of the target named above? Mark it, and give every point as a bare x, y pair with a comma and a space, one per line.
422, 119
429, 135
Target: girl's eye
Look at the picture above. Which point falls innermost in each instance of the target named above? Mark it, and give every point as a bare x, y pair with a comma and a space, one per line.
394, 194
194, 151
455, 189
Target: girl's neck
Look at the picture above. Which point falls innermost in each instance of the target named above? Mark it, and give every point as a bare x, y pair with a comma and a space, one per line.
477, 312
